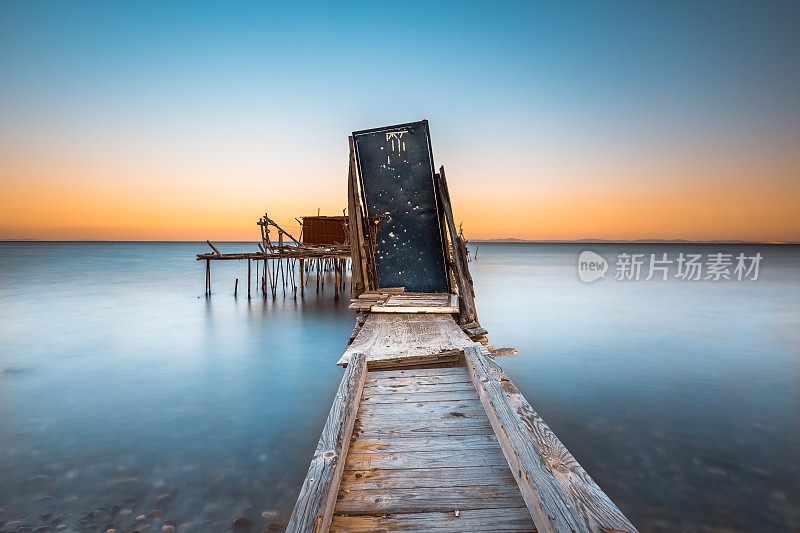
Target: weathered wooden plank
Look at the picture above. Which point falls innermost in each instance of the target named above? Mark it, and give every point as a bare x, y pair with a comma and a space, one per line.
462, 272
433, 396
595, 508
435, 408
428, 477
415, 372
412, 388
430, 499
385, 427
507, 519
394, 335
501, 352
353, 226
385, 291
414, 360
488, 455
367, 444
418, 380
475, 331
314, 507
431, 411
550, 507
359, 221
417, 309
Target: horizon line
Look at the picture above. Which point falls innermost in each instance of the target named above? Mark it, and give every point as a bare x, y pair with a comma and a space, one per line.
505, 240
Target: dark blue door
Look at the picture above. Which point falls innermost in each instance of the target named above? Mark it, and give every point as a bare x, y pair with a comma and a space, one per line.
396, 168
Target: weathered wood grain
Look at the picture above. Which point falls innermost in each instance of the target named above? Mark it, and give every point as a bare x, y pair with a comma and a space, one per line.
418, 303
359, 220
506, 519
593, 505
314, 507
433, 412
550, 507
421, 428
430, 499
432, 396
415, 360
367, 444
488, 455
418, 372
416, 309
501, 352
395, 335
464, 280
353, 226
428, 477
413, 388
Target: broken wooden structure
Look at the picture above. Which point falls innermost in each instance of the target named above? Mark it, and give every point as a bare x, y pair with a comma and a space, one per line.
290, 262
426, 431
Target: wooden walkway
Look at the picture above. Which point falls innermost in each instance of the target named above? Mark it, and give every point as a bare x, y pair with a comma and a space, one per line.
425, 457
427, 433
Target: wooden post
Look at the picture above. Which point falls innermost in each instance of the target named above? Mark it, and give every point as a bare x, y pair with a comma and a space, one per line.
462, 274
302, 275
335, 279
208, 277
248, 279
236, 287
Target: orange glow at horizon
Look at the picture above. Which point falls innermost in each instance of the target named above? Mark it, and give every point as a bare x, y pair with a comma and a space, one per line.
71, 199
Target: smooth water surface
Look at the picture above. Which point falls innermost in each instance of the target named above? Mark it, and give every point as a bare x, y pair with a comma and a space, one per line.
124, 390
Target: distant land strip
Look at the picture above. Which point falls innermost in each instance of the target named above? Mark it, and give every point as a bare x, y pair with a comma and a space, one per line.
510, 240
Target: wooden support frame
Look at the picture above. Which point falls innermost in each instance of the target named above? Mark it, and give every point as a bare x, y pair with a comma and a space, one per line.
314, 507
559, 494
356, 222
354, 228
463, 278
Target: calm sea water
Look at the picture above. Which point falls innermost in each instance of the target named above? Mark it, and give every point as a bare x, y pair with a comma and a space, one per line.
124, 390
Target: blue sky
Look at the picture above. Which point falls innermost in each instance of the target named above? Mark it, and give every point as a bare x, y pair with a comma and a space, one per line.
529, 96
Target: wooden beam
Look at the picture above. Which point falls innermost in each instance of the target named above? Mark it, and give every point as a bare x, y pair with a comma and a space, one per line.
281, 231
213, 248
462, 275
359, 217
559, 493
353, 206
551, 509
596, 509
501, 352
451, 270
314, 507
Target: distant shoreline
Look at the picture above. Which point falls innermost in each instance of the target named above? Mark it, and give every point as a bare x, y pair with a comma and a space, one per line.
630, 241
475, 241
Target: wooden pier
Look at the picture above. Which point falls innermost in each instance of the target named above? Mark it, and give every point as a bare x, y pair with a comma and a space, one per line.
426, 431
319, 249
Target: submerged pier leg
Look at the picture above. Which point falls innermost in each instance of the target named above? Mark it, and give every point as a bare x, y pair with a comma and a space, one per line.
336, 281
208, 277
302, 275
248, 279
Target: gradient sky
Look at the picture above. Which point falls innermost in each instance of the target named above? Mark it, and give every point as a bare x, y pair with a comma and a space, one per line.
615, 120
